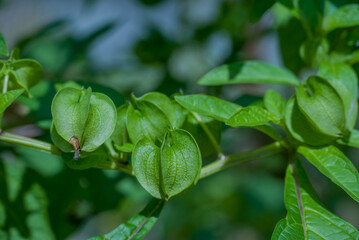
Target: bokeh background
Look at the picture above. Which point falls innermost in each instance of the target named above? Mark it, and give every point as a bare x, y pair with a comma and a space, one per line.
120, 47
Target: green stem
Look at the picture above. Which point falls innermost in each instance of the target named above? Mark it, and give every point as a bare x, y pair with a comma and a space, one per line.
47, 147
4, 90
1, 118
111, 165
214, 167
227, 161
6, 83
209, 134
113, 154
29, 142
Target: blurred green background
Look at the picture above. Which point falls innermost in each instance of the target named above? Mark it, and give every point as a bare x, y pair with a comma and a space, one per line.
122, 46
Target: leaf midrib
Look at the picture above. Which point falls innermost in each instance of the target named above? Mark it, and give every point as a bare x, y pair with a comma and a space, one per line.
145, 220
300, 204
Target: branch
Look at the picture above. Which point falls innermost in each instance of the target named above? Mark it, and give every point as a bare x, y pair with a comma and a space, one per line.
112, 165
227, 161
50, 148
222, 163
29, 142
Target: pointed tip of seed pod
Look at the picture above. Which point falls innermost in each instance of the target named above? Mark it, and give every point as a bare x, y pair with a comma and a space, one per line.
74, 141
77, 154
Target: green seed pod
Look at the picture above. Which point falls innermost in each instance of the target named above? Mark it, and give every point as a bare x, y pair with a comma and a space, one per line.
169, 107
20, 74
314, 51
322, 105
145, 119
301, 128
82, 120
168, 170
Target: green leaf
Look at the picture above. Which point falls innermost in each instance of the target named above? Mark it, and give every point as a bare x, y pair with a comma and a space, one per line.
269, 130
34, 159
287, 3
12, 84
311, 14
345, 16
35, 202
3, 48
306, 217
145, 119
2, 215
209, 106
350, 104
256, 8
339, 57
89, 118
127, 147
251, 116
353, 58
23, 205
343, 78
9, 97
15, 54
181, 114
256, 117
285, 231
27, 73
336, 166
322, 106
301, 129
291, 35
195, 128
248, 72
166, 105
340, 72
351, 140
274, 103
14, 175
170, 170
119, 135
314, 51
139, 225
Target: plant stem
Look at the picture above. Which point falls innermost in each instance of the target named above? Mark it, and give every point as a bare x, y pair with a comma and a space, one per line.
4, 90
29, 142
214, 167
113, 154
50, 148
209, 134
227, 161
111, 165
6, 83
1, 118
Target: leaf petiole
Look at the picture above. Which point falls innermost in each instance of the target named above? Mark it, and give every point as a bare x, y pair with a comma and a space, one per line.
224, 162
209, 134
